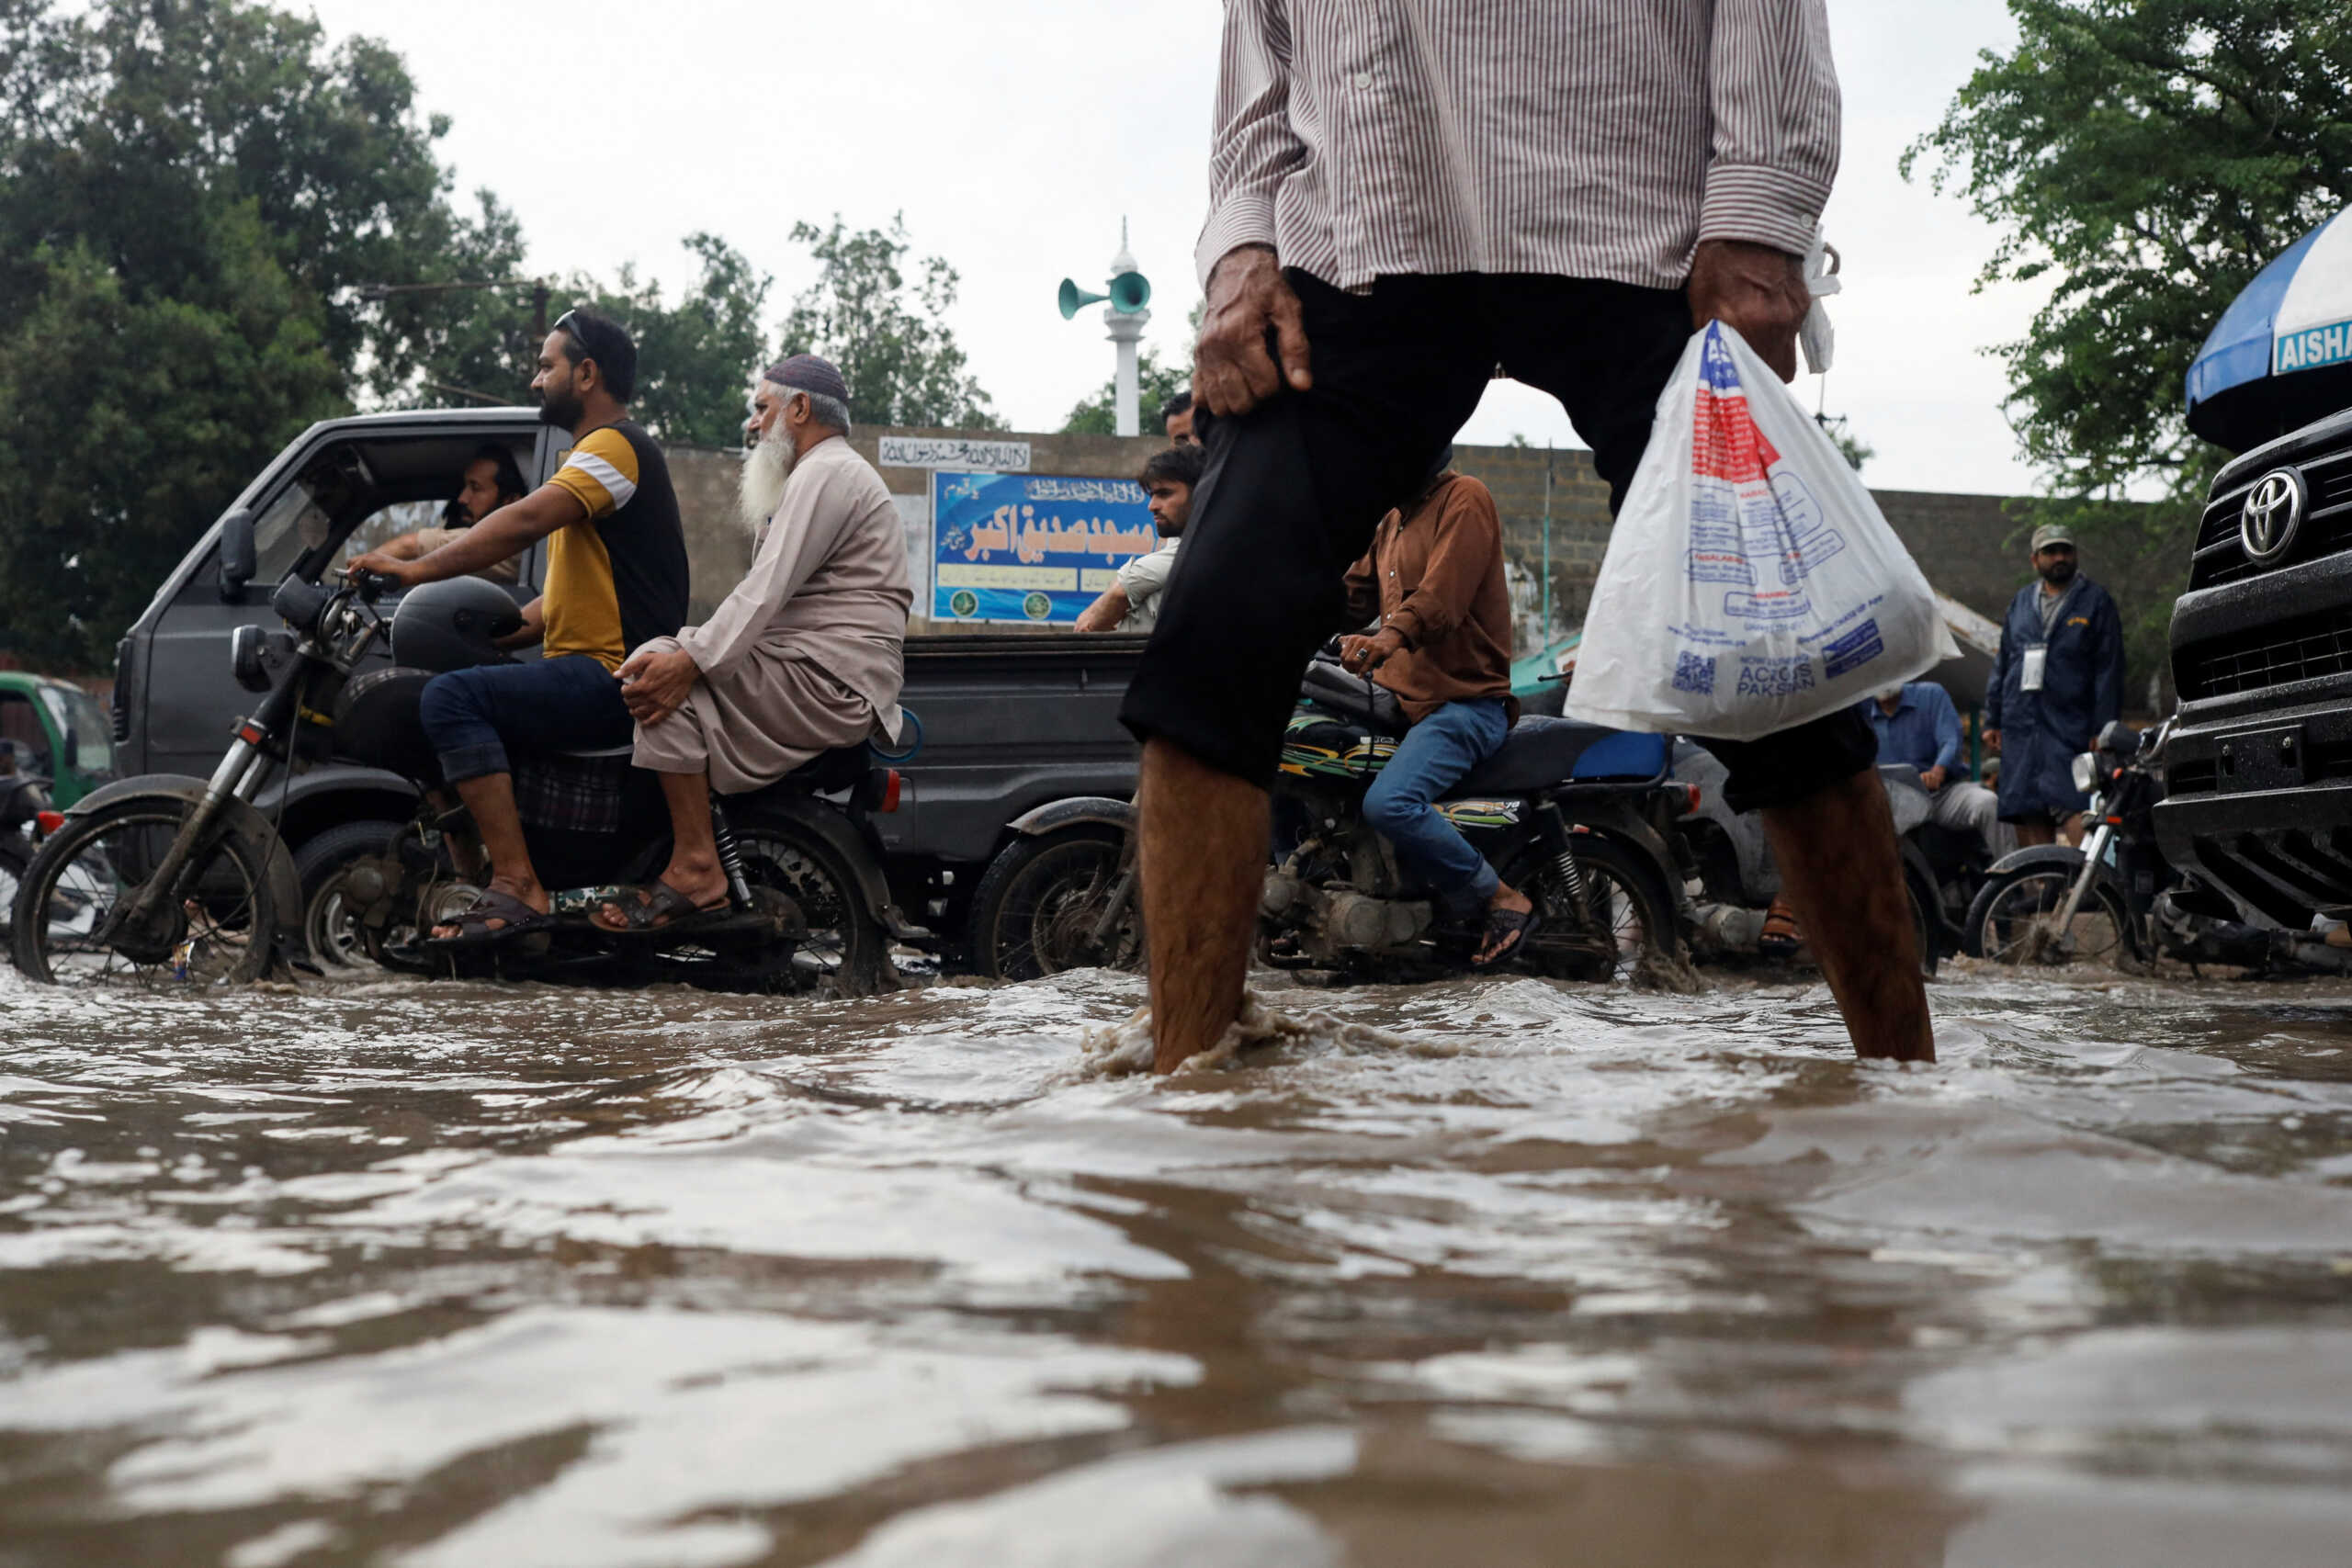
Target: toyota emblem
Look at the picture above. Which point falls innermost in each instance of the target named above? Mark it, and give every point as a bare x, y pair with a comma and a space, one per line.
2271, 515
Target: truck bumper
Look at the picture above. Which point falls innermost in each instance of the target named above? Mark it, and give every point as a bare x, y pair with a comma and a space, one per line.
2260, 804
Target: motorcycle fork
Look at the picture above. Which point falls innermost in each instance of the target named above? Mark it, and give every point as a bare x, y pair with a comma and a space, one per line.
1122, 892
730, 856
238, 777
2094, 853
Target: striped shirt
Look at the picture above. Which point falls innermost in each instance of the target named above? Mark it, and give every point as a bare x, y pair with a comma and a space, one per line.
1576, 138
617, 579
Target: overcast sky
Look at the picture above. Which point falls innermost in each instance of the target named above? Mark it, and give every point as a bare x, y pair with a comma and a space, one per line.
1014, 134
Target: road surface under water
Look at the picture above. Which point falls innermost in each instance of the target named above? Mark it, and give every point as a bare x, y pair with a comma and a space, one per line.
433, 1275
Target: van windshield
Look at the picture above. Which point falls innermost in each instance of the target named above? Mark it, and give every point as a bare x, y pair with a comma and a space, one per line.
294, 523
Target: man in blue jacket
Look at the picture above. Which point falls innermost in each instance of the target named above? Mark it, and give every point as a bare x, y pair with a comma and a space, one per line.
2058, 683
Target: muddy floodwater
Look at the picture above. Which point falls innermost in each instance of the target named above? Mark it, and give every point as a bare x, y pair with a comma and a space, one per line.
527, 1278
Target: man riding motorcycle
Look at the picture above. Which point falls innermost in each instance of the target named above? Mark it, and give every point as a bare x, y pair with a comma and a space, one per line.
1434, 577
805, 656
615, 579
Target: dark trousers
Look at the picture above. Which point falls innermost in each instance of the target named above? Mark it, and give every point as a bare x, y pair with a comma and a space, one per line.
1295, 488
569, 704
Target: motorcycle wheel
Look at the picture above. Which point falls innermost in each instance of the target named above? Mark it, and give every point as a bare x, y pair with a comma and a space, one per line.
1038, 904
218, 936
14, 855
331, 925
843, 951
1626, 897
2010, 922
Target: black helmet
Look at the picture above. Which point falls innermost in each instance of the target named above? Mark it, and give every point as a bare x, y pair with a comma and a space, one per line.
452, 625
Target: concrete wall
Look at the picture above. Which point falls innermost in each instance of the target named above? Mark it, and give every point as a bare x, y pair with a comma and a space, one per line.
1966, 544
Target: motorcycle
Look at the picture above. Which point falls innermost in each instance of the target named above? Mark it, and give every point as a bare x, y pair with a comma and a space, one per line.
25, 820
1736, 878
177, 880
1574, 816
2116, 900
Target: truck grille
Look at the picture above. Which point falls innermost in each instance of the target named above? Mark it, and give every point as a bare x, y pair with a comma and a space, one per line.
2304, 648
2327, 529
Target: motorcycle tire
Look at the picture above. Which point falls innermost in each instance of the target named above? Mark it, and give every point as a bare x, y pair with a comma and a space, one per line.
1039, 903
2000, 901
337, 943
843, 950
1634, 876
223, 934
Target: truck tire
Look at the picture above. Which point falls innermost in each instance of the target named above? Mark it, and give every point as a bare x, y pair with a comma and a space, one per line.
337, 943
1041, 901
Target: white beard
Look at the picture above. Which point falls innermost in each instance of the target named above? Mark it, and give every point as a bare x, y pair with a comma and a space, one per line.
761, 489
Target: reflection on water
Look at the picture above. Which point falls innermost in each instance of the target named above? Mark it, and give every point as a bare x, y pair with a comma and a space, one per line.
446, 1275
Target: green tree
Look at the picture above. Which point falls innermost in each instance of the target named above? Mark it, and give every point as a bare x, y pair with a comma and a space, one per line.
695, 360
1156, 382
188, 191
885, 331
2144, 158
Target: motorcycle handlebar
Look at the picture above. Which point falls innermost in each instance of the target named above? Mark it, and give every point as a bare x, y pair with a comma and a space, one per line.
370, 585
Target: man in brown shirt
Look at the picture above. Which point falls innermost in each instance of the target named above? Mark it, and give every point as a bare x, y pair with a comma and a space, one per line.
1434, 577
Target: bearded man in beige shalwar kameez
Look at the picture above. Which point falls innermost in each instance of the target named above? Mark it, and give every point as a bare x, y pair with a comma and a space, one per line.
804, 656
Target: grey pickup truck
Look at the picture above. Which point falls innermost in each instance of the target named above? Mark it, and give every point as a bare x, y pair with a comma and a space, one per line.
1007, 724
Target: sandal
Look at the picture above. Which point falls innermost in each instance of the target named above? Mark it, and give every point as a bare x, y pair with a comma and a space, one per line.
1513, 928
656, 907
1781, 937
474, 928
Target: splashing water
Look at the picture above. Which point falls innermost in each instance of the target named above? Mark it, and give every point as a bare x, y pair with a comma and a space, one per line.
1499, 1271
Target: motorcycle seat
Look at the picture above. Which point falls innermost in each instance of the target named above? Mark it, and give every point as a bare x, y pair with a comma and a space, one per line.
843, 767
1541, 752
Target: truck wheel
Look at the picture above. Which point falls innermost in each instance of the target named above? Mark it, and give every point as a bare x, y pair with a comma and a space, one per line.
1042, 901
217, 931
331, 923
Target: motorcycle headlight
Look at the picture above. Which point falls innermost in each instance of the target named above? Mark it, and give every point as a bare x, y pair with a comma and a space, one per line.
2086, 772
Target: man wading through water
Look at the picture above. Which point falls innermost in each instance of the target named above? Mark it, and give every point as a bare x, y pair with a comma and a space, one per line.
1403, 197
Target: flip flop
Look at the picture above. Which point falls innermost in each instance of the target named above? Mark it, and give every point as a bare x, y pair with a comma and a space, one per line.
474, 928
654, 907
1780, 938
1518, 925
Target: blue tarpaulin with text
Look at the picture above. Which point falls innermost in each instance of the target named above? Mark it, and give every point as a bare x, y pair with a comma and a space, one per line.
1035, 547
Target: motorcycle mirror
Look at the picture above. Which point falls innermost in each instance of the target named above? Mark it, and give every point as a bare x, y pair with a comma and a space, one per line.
2119, 738
239, 557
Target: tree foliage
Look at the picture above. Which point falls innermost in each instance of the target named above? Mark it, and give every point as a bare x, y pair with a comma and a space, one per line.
2146, 158
885, 331
695, 360
1156, 382
188, 192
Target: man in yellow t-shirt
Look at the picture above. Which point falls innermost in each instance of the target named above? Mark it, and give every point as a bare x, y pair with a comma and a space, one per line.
616, 577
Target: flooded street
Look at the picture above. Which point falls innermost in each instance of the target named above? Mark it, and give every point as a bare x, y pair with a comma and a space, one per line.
448, 1275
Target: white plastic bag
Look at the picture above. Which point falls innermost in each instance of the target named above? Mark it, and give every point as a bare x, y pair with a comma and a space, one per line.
1751, 583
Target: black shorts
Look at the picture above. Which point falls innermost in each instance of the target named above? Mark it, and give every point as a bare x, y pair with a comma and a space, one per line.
1295, 488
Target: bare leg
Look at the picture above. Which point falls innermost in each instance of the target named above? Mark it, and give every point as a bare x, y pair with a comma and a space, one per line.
490, 799
1839, 867
694, 869
1204, 866
2036, 831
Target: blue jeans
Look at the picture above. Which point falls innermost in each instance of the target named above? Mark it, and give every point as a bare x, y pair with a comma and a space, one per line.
1433, 757
570, 704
